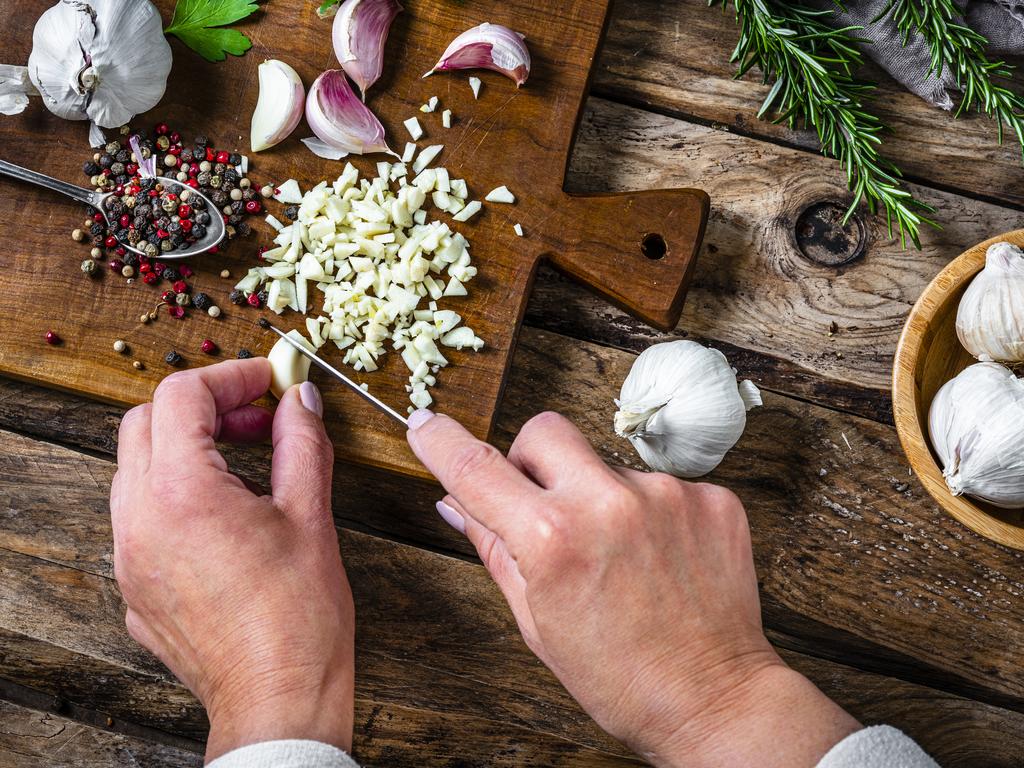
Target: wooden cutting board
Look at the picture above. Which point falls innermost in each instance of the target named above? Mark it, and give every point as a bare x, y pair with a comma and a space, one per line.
521, 138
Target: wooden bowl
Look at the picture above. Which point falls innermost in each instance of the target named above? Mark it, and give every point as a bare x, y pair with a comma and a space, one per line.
928, 355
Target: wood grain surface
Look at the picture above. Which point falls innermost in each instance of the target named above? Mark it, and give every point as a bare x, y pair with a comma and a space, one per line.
868, 586
519, 137
441, 671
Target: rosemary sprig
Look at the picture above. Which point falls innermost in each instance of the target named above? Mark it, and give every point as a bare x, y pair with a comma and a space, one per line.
812, 66
962, 50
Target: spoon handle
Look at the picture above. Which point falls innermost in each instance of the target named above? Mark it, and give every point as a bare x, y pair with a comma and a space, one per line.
86, 196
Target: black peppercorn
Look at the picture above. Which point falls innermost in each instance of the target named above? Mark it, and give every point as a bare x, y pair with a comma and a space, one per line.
203, 218
234, 158
231, 175
197, 203
173, 358
234, 219
292, 212
123, 156
174, 226
97, 229
139, 222
153, 237
201, 301
244, 354
106, 161
218, 198
170, 274
130, 259
90, 168
263, 296
198, 231
122, 179
250, 194
237, 297
202, 141
177, 240
243, 228
144, 210
97, 241
186, 155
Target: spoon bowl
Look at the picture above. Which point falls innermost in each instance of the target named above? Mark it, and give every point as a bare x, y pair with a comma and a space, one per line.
215, 230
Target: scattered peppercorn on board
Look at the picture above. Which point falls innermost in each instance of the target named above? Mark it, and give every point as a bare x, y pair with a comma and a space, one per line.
636, 249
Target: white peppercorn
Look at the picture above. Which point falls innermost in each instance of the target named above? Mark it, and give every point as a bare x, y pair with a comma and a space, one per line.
120, 346
213, 311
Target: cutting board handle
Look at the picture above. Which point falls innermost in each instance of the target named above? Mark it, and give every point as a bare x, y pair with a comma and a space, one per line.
636, 249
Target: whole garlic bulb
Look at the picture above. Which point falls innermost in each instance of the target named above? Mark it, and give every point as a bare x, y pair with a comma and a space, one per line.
682, 408
976, 423
100, 60
990, 319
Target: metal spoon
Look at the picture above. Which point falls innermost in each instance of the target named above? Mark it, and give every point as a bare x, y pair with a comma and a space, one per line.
215, 230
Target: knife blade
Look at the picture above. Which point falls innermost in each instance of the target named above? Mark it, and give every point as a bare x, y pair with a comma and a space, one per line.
264, 323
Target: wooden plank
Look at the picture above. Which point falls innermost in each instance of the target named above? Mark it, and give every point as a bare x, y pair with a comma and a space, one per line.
442, 670
526, 142
673, 58
753, 288
33, 739
847, 543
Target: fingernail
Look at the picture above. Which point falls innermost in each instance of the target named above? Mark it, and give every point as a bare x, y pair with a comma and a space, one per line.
419, 418
310, 397
450, 516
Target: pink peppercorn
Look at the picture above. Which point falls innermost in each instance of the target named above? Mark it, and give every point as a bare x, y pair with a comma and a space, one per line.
150, 277
253, 206
176, 311
180, 286
52, 338
208, 347
184, 211
161, 129
253, 299
110, 242
116, 265
185, 270
223, 157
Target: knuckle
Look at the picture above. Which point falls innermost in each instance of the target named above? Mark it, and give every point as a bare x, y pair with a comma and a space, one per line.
719, 497
544, 421
174, 384
664, 485
473, 459
138, 413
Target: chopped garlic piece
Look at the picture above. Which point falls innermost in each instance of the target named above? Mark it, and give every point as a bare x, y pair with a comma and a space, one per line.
518, 228
272, 221
426, 157
500, 195
475, 83
412, 125
430, 106
446, 118
288, 192
469, 211
409, 153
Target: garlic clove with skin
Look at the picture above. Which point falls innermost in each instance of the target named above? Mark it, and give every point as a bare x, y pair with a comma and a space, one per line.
342, 123
359, 33
279, 106
488, 46
976, 425
682, 408
101, 60
990, 317
15, 88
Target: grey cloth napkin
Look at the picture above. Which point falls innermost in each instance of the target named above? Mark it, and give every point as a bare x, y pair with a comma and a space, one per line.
1001, 22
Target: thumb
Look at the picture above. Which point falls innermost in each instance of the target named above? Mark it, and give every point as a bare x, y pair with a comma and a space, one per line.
303, 463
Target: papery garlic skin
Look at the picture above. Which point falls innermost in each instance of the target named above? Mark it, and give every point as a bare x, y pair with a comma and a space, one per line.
682, 408
342, 123
360, 31
488, 46
976, 424
15, 88
279, 106
990, 318
100, 60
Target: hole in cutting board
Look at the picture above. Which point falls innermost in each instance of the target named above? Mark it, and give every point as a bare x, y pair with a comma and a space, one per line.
653, 246
824, 238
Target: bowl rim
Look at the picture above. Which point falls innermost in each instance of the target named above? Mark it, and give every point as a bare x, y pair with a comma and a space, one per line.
916, 446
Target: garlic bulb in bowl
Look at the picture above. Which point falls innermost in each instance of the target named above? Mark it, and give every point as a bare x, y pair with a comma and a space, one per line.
682, 408
976, 424
990, 318
100, 60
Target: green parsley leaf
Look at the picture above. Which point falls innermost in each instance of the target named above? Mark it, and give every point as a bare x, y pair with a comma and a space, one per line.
193, 23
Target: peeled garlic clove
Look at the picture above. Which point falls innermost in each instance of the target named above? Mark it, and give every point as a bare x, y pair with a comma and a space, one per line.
288, 366
990, 318
682, 408
279, 107
360, 31
976, 424
340, 120
102, 60
488, 46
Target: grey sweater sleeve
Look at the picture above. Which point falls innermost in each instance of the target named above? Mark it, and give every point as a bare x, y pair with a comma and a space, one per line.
285, 754
879, 746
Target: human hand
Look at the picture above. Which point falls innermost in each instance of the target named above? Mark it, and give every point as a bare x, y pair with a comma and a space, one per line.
243, 597
637, 590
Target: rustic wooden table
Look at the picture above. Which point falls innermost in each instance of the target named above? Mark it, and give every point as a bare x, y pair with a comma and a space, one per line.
898, 612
